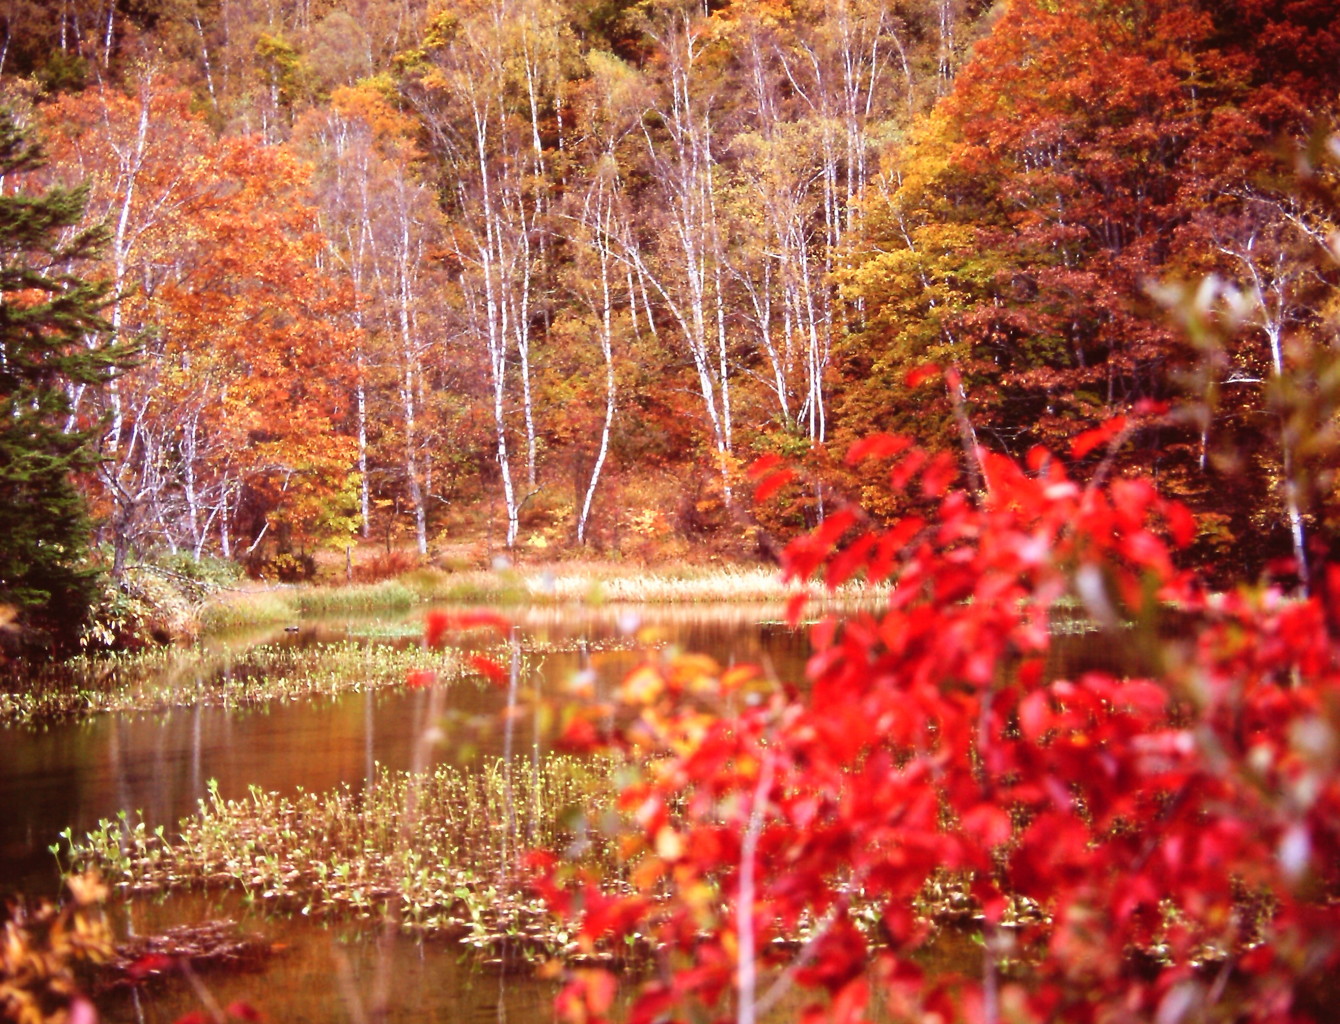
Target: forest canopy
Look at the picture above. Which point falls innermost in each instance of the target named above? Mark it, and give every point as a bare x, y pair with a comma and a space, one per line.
526, 274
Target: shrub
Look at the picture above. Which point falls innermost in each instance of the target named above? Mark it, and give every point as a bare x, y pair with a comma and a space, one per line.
1113, 849
385, 565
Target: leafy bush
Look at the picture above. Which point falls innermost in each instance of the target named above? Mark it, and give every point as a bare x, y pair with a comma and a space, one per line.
286, 567
385, 565
145, 608
209, 573
42, 949
1105, 849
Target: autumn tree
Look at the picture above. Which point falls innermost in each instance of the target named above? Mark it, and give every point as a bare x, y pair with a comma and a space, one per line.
215, 249
604, 267
1018, 233
128, 148
825, 84
483, 84
382, 220
253, 307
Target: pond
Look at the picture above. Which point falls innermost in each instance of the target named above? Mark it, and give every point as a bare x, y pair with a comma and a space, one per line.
158, 766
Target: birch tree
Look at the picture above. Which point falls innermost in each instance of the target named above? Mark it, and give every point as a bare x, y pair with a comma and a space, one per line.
479, 93
688, 272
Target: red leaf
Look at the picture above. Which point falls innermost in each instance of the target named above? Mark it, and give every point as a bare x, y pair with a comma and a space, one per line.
588, 997
795, 604
823, 632
905, 469
480, 618
832, 528
848, 562
490, 668
760, 467
938, 476
1038, 457
438, 622
243, 1010
1142, 695
848, 1006
920, 374
1035, 715
771, 484
600, 987
988, 824
579, 736
1181, 523
420, 678
1098, 436
435, 624
150, 963
903, 531
877, 446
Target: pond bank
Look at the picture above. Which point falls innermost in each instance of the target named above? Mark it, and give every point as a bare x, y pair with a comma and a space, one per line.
158, 605
507, 586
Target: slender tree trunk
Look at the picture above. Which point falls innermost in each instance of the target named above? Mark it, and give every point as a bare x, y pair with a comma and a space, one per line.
607, 350
409, 367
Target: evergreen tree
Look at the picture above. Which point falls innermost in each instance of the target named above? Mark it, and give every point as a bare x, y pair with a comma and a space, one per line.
52, 338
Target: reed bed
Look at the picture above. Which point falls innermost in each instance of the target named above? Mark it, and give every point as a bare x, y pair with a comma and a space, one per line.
716, 586
562, 584
554, 584
163, 678
434, 852
234, 610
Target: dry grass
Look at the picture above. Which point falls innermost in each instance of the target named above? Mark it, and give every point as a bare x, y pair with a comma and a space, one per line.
589, 583
595, 583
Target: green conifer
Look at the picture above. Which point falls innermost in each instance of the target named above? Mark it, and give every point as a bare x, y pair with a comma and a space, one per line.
52, 339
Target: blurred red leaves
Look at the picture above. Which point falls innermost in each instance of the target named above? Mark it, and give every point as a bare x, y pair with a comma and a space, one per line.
439, 622
1148, 818
420, 678
488, 668
149, 965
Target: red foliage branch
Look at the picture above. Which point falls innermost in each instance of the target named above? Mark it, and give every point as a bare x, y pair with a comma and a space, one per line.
1161, 848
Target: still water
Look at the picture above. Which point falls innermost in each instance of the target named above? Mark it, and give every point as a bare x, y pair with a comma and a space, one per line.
159, 765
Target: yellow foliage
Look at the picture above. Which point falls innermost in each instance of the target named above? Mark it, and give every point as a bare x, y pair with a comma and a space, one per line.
39, 948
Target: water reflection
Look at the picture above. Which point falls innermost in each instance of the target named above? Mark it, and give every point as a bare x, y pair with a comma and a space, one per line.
160, 764
324, 974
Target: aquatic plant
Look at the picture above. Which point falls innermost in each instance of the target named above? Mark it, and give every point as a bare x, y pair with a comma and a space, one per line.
158, 679
234, 610
228, 611
438, 851
386, 596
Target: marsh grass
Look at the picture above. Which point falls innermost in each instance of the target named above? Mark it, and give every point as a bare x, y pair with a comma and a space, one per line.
436, 851
386, 596
567, 583
159, 679
511, 586
233, 610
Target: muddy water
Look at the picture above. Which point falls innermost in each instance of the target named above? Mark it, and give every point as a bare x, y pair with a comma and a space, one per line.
160, 765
